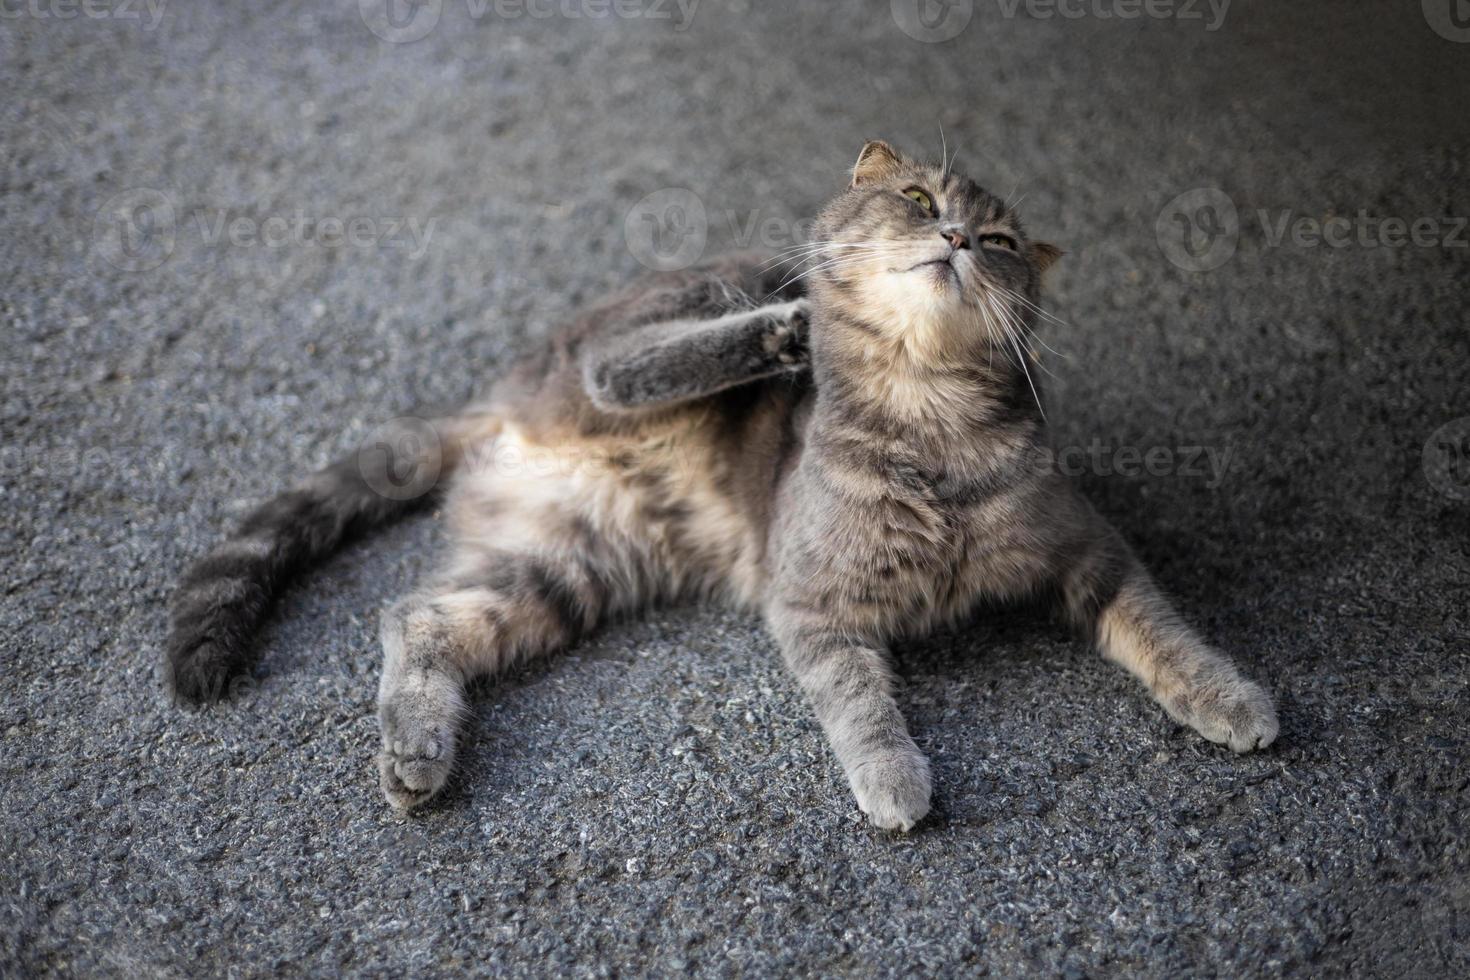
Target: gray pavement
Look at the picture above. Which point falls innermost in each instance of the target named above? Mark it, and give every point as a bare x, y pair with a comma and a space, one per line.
234, 237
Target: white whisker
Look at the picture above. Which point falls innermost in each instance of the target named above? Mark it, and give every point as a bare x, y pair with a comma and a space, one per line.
1021, 332
822, 267
1037, 309
819, 251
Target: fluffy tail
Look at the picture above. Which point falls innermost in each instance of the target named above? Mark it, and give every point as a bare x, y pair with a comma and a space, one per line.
224, 597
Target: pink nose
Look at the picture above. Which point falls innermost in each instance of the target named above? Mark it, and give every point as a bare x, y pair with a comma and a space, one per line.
956, 238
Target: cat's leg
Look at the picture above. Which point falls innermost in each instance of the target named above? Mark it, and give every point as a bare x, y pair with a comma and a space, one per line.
664, 363
494, 608
850, 687
1112, 597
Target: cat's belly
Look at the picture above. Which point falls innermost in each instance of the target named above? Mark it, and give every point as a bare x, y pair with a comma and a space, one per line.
653, 500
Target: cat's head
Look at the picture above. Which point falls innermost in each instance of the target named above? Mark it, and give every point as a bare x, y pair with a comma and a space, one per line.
916, 250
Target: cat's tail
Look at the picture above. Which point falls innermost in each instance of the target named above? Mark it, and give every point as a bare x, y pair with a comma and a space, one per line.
223, 598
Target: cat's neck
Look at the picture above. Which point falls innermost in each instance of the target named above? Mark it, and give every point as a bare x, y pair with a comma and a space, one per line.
881, 381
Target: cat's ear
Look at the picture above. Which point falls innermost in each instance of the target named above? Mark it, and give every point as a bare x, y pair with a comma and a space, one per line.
877, 161
1045, 255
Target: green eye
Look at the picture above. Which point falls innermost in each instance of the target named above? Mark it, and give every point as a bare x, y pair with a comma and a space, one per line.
919, 198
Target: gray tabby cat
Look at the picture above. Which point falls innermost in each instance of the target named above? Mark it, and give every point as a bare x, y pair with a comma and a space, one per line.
880, 484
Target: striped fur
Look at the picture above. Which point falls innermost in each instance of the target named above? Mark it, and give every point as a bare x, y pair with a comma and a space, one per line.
223, 598
671, 444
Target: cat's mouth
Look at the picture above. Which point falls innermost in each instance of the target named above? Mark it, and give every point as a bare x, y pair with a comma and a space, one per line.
939, 262
941, 269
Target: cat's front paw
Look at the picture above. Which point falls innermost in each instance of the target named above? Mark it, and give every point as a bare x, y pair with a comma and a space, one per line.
422, 782
417, 753
892, 789
1238, 713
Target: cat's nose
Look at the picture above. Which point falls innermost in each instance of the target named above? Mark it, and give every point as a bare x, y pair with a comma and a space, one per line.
956, 236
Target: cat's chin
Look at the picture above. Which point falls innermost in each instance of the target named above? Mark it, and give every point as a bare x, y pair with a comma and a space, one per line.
928, 291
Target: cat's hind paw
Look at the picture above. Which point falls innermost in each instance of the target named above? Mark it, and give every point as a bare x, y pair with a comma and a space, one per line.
893, 790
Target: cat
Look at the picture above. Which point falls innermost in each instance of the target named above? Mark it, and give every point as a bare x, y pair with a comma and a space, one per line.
854, 451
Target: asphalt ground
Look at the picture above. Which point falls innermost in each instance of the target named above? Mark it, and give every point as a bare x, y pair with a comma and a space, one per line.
235, 237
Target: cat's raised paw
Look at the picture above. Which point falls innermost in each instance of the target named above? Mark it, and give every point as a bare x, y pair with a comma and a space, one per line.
893, 790
786, 339
1239, 715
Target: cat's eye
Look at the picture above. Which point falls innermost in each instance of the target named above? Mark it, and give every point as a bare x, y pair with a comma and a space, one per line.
1000, 241
920, 198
